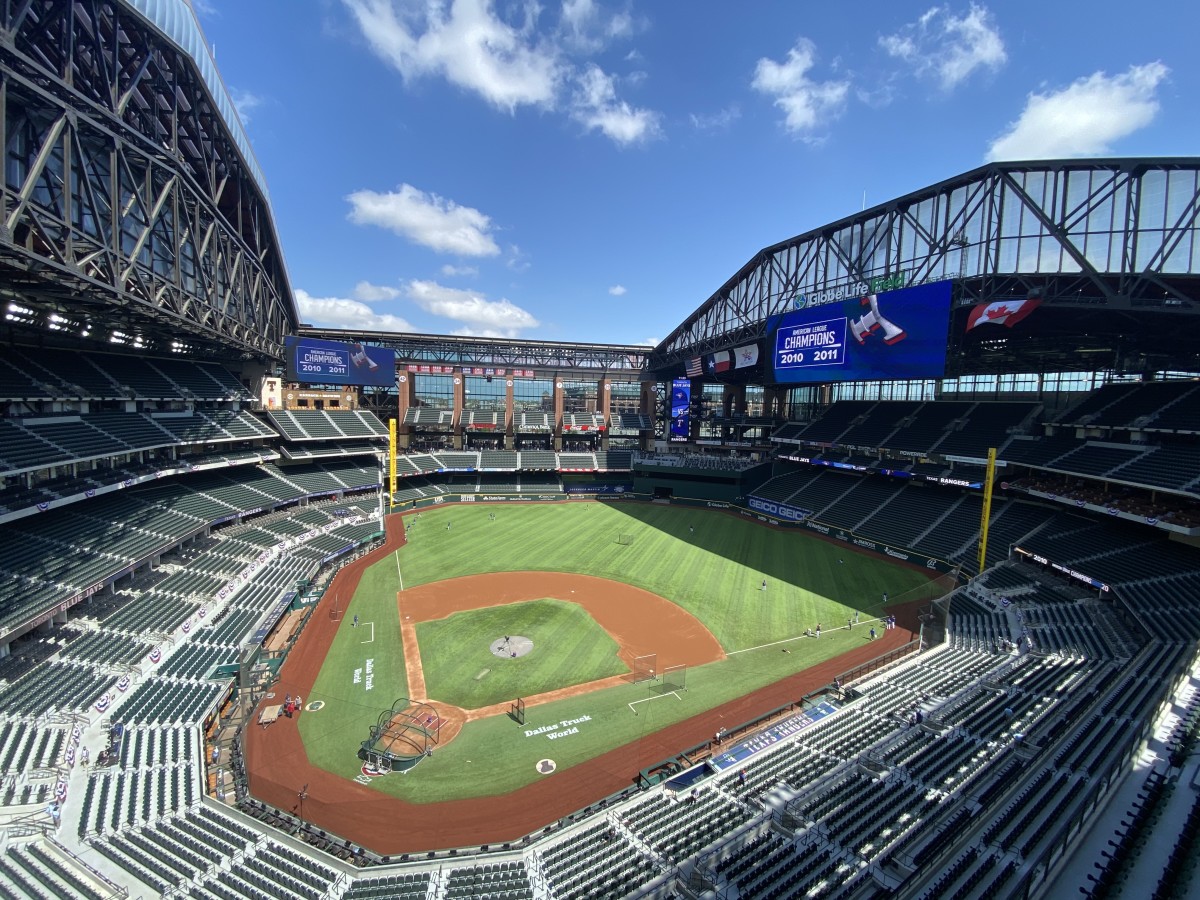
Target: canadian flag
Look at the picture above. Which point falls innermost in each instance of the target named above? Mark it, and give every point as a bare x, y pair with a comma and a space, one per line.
1001, 312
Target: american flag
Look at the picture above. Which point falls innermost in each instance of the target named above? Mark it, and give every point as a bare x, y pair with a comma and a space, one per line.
694, 367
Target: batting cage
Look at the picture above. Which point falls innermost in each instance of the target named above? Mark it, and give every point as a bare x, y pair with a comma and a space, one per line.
404, 735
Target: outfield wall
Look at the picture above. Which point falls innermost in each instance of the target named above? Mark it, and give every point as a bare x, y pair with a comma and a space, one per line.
727, 489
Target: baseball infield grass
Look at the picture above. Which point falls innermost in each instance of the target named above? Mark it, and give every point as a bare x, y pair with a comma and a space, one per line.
568, 648
710, 563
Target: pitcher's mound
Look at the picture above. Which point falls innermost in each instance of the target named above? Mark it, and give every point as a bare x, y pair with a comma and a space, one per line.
511, 646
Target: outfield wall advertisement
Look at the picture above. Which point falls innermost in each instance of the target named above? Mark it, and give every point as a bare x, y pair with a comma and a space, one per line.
331, 362
890, 335
681, 403
781, 510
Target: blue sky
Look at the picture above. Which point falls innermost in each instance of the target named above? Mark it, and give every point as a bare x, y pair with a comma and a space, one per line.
593, 171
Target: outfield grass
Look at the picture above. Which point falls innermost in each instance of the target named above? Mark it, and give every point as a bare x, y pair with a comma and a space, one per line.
710, 563
568, 648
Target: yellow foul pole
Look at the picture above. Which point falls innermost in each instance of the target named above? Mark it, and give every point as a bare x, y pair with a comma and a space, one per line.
391, 461
987, 507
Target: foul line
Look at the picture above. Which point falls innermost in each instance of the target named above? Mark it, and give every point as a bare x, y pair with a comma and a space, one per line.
632, 704
866, 623
772, 644
398, 575
372, 640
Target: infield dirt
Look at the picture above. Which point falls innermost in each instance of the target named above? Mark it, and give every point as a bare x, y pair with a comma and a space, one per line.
277, 765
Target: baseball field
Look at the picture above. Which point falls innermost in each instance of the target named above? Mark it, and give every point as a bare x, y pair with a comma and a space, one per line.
628, 617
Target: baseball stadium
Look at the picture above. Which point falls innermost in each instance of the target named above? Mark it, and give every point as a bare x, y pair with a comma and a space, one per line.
879, 576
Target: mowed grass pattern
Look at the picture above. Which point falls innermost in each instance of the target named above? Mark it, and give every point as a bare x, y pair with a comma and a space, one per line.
332, 734
710, 563
568, 648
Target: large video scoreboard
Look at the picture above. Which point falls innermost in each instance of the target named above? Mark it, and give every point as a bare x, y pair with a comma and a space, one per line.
311, 361
890, 335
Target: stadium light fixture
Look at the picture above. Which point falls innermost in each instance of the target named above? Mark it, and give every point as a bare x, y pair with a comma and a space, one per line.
19, 314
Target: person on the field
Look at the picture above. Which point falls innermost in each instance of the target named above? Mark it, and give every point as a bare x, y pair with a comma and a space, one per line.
818, 630
355, 620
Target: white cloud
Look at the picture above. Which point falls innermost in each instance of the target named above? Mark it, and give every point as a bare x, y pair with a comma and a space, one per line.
459, 271
618, 290
244, 102
649, 342
587, 28
620, 25
480, 317
502, 56
596, 107
373, 293
426, 219
807, 104
951, 47
518, 260
718, 121
1084, 118
468, 44
341, 312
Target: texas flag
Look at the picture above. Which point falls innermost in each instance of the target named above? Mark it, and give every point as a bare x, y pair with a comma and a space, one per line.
720, 362
1001, 312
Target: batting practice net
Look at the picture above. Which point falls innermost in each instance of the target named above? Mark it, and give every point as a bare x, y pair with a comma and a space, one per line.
674, 678
516, 711
644, 668
404, 735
